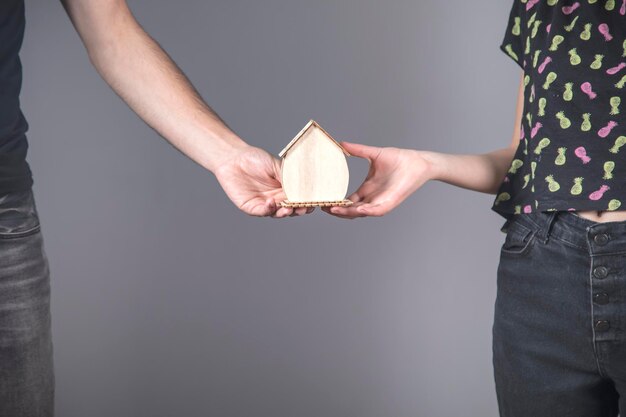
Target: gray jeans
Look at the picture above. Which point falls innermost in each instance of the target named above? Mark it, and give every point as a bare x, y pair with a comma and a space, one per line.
559, 331
26, 365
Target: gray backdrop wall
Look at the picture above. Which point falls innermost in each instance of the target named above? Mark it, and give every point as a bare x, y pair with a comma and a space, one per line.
168, 302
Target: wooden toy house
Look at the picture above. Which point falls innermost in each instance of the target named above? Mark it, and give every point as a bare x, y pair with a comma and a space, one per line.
314, 169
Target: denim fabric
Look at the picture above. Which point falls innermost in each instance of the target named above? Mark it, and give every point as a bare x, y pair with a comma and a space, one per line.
559, 330
26, 365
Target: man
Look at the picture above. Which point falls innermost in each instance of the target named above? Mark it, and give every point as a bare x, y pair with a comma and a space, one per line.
143, 75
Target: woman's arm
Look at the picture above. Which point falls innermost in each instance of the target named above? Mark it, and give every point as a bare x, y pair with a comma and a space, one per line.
395, 173
483, 172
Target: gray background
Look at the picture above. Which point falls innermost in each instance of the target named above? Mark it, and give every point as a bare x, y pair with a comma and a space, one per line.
167, 301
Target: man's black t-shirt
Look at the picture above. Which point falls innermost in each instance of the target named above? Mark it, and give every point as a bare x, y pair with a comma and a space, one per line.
15, 174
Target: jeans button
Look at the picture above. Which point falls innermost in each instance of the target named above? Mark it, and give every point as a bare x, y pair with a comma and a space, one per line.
600, 272
601, 298
602, 325
601, 239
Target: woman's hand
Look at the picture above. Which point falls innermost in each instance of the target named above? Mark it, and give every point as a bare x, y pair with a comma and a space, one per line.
394, 174
251, 179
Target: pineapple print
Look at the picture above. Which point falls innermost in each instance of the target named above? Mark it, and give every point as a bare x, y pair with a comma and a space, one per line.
573, 54
560, 159
609, 166
577, 188
552, 184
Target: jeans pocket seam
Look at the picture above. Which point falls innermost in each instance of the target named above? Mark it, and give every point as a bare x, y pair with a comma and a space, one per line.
22, 233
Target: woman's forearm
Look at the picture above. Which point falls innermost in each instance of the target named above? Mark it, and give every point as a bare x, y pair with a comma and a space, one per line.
479, 172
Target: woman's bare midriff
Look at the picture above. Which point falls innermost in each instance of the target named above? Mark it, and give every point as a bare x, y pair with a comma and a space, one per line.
603, 215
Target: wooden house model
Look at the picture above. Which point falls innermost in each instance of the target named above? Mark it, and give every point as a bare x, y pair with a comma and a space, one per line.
314, 169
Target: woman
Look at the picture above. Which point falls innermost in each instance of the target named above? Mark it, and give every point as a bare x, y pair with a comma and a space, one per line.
559, 331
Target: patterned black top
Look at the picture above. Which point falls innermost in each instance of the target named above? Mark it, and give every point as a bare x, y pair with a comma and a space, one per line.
571, 154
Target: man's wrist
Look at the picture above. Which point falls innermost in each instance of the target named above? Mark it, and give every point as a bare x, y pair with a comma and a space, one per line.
218, 150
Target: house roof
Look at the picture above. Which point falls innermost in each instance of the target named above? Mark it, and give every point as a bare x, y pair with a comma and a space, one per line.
312, 123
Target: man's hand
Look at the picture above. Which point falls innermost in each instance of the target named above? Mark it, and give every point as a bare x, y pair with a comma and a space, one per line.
394, 174
251, 179
147, 79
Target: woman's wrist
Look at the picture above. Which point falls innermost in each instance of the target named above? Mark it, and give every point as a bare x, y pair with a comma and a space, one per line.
435, 163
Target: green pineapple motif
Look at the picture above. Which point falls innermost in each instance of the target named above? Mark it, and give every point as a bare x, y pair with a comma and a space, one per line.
542, 107
543, 143
574, 58
502, 197
615, 102
619, 142
550, 78
614, 204
515, 165
556, 41
560, 159
536, 57
597, 62
609, 166
585, 35
577, 188
570, 27
563, 121
586, 124
552, 184
516, 29
568, 94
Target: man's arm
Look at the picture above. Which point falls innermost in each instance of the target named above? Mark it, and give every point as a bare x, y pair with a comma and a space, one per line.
145, 77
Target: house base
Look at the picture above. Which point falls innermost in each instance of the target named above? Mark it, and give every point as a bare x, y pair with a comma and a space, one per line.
287, 203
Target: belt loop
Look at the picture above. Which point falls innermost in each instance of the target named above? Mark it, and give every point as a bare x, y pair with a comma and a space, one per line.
546, 227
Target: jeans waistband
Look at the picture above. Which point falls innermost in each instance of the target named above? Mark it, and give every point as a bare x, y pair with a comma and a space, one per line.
596, 237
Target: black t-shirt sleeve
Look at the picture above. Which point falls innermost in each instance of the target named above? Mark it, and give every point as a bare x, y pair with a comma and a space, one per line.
513, 41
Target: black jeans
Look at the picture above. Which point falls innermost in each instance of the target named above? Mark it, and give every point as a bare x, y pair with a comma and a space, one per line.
26, 366
559, 330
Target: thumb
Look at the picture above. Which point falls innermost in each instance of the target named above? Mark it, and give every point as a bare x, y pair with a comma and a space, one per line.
362, 151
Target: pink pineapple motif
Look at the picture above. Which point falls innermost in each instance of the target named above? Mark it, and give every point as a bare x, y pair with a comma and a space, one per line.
604, 30
604, 132
550, 26
531, 4
545, 62
532, 91
572, 208
596, 195
527, 208
581, 152
506, 179
622, 9
535, 129
570, 9
522, 134
616, 68
588, 89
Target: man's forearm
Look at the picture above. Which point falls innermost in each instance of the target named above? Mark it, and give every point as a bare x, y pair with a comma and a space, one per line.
482, 172
144, 76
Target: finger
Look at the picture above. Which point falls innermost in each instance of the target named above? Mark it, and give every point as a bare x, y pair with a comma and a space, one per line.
355, 197
283, 212
349, 211
362, 151
375, 209
300, 211
310, 210
270, 207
